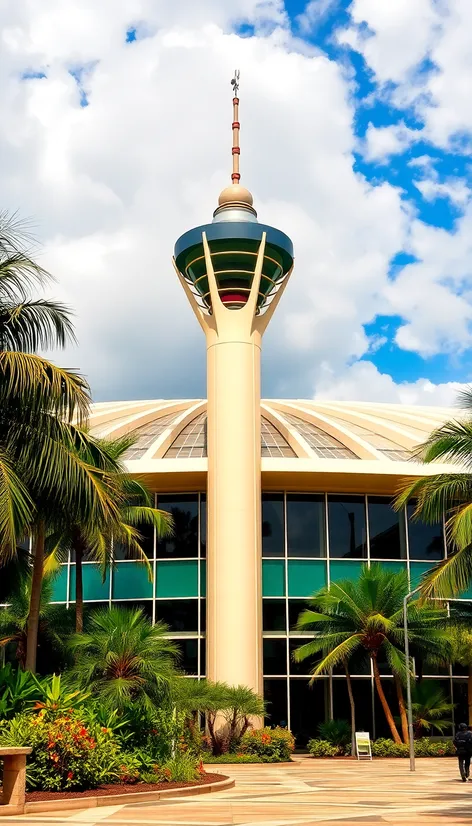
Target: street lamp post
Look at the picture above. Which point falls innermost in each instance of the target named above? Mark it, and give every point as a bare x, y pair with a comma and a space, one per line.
408, 679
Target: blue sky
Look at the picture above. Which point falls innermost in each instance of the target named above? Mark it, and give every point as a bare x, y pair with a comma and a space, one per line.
362, 106
440, 211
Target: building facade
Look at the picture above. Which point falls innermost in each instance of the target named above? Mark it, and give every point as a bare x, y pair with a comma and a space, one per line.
271, 499
328, 474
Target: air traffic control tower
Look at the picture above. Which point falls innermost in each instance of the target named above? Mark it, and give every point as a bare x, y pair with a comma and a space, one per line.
234, 271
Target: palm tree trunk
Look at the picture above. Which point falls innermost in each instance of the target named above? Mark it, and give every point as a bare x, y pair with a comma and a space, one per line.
35, 597
353, 710
383, 700
78, 546
401, 706
469, 694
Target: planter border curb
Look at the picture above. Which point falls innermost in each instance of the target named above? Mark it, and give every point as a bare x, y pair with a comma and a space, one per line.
51, 806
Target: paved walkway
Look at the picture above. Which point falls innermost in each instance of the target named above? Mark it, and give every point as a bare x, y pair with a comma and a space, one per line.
305, 792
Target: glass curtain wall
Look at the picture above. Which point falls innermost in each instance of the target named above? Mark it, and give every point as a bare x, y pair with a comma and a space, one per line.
308, 541
175, 594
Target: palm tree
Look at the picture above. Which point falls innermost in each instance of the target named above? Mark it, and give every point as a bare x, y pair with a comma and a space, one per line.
54, 625
37, 398
125, 660
41, 409
94, 539
367, 614
430, 708
450, 495
461, 642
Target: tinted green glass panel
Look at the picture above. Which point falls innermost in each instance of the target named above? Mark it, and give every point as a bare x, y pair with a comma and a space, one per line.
273, 578
305, 576
94, 588
203, 578
131, 581
394, 567
177, 578
417, 569
344, 570
59, 590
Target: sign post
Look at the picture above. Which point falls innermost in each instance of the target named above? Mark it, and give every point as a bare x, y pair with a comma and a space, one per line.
363, 749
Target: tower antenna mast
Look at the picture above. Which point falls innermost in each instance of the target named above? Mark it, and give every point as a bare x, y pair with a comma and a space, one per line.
235, 176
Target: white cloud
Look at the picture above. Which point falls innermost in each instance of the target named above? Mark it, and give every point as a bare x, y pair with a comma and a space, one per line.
398, 40
114, 184
315, 12
455, 189
380, 143
364, 382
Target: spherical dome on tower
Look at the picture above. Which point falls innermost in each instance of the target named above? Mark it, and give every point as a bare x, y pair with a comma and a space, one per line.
235, 193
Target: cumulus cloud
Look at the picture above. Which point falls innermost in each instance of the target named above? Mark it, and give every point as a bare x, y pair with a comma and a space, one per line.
380, 143
112, 184
364, 382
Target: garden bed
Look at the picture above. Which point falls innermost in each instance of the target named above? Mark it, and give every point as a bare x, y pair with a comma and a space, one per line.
122, 788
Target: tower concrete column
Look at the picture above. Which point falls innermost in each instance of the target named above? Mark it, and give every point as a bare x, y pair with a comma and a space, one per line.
234, 272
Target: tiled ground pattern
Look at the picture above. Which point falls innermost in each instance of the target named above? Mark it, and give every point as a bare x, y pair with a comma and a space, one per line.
303, 793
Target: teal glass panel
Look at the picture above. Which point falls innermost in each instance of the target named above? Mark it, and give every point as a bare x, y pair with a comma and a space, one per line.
131, 581
59, 589
273, 578
417, 569
394, 567
177, 578
305, 576
203, 578
94, 587
344, 570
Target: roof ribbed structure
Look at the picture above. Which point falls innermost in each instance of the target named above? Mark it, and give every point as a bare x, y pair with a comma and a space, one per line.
317, 432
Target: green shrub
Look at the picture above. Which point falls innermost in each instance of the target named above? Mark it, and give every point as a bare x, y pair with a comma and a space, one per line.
321, 748
66, 754
233, 758
336, 732
384, 747
181, 768
271, 745
434, 748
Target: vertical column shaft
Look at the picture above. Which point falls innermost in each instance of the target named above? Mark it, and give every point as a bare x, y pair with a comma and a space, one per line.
234, 593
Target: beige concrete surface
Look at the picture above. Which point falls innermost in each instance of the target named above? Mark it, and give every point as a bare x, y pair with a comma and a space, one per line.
305, 792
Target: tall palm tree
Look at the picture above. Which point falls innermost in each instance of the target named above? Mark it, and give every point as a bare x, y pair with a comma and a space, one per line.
366, 614
450, 495
47, 462
123, 659
94, 539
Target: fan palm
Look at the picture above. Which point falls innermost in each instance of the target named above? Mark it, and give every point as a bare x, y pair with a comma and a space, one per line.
123, 659
450, 495
93, 539
49, 466
430, 708
367, 615
54, 625
36, 397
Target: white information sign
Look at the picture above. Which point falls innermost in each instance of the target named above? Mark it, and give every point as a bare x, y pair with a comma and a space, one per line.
363, 749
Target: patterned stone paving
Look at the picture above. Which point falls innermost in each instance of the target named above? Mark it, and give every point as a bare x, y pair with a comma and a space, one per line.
304, 793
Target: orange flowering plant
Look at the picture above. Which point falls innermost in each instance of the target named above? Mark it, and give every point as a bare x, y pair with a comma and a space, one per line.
66, 754
270, 745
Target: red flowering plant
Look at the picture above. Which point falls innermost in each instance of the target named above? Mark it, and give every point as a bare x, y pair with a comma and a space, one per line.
271, 745
66, 754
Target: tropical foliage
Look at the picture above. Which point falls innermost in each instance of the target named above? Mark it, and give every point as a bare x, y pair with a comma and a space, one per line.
367, 615
447, 495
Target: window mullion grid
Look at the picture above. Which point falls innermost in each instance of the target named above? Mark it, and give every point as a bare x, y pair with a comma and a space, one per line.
407, 543
328, 581
287, 626
199, 590
367, 530
154, 568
